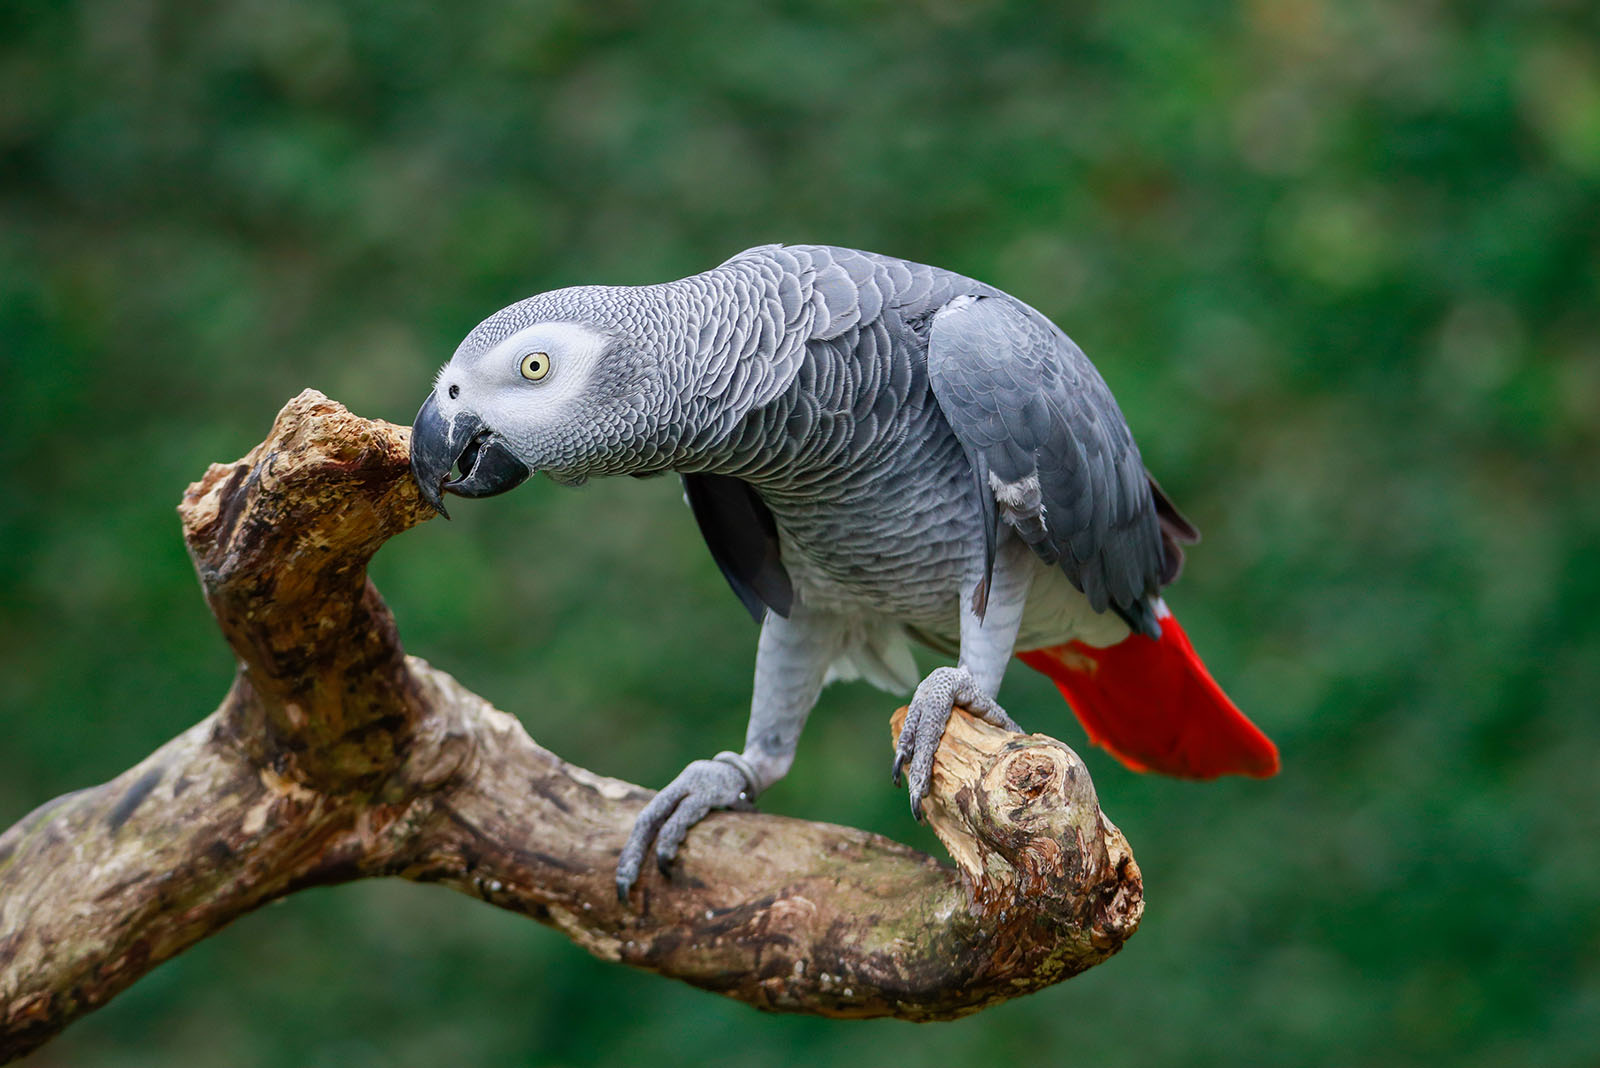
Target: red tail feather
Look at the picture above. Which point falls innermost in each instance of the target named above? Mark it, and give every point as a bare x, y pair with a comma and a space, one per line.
1156, 707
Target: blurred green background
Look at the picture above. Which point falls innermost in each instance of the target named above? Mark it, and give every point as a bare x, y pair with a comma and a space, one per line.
1340, 262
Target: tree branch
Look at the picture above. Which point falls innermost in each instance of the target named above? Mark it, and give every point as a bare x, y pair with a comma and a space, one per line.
336, 757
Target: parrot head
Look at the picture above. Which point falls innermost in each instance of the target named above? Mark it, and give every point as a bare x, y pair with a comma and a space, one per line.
526, 393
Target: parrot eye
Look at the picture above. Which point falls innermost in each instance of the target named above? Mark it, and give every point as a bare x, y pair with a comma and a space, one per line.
535, 365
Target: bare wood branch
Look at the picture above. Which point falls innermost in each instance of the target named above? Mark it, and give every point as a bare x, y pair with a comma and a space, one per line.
336, 757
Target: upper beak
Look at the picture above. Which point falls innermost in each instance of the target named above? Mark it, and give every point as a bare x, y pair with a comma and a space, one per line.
438, 446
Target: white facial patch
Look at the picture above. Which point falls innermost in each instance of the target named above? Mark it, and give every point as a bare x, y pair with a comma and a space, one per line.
531, 415
572, 347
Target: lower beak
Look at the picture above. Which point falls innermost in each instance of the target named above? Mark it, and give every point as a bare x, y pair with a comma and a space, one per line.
437, 447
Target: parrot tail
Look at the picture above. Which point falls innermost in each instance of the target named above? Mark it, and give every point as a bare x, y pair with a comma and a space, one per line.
1155, 706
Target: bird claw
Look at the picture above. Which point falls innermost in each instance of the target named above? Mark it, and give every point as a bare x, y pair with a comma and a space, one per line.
702, 786
926, 719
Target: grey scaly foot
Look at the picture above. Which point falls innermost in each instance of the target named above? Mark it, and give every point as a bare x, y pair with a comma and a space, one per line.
925, 722
727, 781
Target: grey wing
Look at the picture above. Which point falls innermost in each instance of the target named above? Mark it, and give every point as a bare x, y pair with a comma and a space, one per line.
1051, 451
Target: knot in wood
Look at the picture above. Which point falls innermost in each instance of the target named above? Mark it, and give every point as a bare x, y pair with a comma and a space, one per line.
1032, 774
1038, 810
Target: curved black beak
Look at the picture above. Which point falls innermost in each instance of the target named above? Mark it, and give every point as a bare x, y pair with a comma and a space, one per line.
438, 446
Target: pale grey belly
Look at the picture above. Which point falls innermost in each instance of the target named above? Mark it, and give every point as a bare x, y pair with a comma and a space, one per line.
908, 568
892, 545
892, 581
895, 535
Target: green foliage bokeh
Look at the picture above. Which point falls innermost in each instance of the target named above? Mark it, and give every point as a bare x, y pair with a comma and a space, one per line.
1340, 262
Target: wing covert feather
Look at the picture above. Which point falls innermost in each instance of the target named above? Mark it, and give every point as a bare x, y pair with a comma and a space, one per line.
1048, 441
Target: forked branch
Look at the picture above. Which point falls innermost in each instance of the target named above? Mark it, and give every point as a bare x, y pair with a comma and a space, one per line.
336, 757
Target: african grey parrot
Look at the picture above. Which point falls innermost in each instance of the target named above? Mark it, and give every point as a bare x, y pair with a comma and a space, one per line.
876, 452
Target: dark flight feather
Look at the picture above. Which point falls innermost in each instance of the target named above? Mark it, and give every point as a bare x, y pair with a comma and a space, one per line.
743, 539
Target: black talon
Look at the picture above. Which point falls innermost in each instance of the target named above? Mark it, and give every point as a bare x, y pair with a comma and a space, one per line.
916, 810
894, 770
664, 866
622, 891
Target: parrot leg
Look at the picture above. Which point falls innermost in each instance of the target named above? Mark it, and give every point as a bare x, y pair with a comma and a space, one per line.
684, 802
791, 663
986, 645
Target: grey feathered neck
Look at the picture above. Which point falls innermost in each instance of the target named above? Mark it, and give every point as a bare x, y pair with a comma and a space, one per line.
697, 356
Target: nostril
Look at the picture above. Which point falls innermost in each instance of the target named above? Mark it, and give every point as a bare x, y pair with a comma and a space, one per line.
455, 391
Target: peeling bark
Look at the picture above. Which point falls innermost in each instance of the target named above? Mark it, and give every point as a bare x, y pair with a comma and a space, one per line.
336, 757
